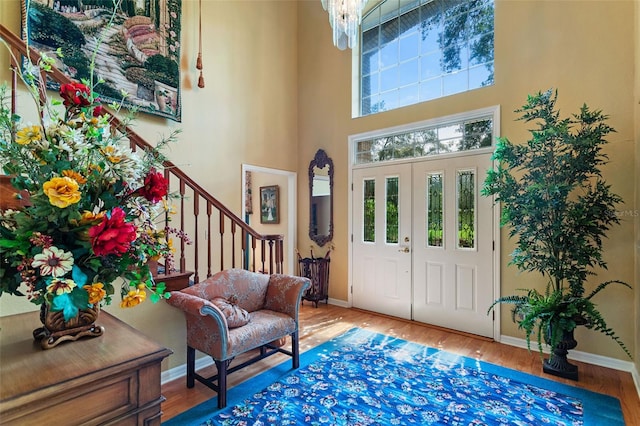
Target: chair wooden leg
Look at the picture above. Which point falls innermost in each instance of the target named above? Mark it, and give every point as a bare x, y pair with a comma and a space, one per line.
295, 349
191, 366
222, 383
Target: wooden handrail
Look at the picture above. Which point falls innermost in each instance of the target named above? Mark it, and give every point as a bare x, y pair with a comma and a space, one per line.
268, 257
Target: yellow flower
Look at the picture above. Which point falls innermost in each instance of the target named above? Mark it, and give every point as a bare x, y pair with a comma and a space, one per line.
96, 292
28, 134
111, 154
168, 208
133, 298
62, 191
91, 217
75, 176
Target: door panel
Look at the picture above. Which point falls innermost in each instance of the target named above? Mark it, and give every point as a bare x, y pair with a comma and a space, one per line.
453, 275
439, 268
381, 238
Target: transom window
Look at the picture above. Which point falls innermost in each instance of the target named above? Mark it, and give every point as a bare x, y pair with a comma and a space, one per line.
435, 139
417, 50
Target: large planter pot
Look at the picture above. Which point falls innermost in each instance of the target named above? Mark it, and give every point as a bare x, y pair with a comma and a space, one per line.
557, 363
56, 330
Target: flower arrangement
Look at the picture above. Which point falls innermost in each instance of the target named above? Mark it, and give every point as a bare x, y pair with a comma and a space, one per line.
96, 209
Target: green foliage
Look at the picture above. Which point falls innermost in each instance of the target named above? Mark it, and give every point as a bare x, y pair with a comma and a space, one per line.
52, 29
469, 22
163, 69
76, 58
558, 208
139, 76
402, 146
550, 314
106, 90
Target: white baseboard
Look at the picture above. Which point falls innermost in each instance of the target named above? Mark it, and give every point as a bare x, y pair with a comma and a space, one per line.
636, 379
181, 370
338, 302
602, 361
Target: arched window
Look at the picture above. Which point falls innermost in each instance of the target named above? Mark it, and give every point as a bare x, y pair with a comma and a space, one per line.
418, 50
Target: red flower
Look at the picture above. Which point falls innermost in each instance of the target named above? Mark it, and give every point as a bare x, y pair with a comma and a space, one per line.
75, 95
98, 111
155, 186
113, 235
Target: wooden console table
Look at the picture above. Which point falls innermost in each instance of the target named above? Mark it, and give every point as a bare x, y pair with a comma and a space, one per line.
113, 379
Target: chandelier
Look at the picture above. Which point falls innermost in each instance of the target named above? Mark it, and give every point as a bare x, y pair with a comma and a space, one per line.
344, 17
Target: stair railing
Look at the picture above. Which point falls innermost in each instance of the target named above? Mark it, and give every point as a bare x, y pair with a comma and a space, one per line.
238, 245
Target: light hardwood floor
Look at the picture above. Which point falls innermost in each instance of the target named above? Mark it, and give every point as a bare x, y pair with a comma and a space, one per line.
327, 321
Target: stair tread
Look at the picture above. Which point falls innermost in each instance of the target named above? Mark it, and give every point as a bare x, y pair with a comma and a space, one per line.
174, 281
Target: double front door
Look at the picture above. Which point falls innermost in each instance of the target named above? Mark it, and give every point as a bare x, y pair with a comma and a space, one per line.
423, 242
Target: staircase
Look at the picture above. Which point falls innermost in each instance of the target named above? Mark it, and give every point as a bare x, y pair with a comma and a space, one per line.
221, 240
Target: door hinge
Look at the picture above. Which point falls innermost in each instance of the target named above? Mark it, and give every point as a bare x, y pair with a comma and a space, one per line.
351, 237
351, 186
493, 246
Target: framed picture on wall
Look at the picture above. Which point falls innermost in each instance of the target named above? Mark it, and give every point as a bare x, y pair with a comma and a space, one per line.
138, 52
269, 204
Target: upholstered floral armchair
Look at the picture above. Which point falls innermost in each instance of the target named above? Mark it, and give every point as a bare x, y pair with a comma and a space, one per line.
235, 311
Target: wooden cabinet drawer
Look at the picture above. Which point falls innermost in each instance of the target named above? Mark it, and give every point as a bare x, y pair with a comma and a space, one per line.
110, 380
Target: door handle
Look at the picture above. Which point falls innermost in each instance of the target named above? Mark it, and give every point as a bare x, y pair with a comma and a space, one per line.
404, 250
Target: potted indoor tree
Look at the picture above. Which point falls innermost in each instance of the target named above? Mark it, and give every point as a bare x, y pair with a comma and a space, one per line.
558, 208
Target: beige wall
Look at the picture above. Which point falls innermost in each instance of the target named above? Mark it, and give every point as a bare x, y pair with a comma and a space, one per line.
584, 49
247, 113
637, 179
273, 98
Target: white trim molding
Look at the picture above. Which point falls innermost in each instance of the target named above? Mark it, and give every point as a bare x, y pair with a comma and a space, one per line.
292, 179
181, 370
339, 302
636, 379
599, 360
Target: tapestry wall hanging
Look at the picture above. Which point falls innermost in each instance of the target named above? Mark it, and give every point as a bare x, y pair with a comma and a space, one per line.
138, 53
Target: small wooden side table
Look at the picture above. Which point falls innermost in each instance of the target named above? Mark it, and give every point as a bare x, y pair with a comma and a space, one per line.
113, 379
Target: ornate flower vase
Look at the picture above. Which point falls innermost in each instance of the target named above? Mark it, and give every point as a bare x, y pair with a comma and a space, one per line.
56, 330
557, 363
166, 97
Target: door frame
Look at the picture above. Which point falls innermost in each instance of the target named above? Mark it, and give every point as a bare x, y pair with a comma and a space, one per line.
355, 138
291, 236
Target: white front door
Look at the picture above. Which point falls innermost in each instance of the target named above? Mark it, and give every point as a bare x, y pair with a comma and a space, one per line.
438, 267
453, 244
381, 240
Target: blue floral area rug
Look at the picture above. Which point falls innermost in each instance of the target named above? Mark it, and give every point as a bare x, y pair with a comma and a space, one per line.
365, 378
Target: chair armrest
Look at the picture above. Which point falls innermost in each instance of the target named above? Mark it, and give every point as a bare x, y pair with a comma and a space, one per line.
201, 314
284, 294
196, 306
